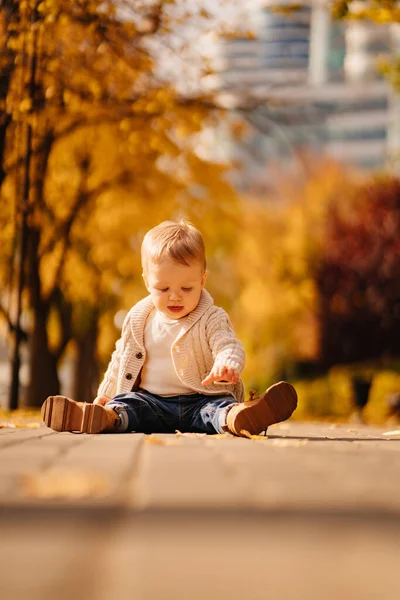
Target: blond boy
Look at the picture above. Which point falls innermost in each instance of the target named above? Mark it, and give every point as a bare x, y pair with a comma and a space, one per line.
178, 362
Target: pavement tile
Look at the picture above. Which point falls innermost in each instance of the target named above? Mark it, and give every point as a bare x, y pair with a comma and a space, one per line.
24, 435
166, 476
311, 512
5, 430
176, 556
68, 468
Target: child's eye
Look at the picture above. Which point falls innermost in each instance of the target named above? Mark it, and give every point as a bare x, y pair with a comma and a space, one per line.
186, 289
163, 289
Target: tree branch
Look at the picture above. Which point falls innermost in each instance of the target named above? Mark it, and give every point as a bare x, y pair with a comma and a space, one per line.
11, 325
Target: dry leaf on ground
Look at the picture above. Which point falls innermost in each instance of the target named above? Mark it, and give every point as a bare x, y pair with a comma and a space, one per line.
66, 484
189, 434
21, 425
250, 436
153, 439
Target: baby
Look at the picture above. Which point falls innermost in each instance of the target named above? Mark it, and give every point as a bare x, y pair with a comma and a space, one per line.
178, 362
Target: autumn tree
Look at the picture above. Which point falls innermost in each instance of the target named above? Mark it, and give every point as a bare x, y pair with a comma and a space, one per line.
358, 276
328, 280
280, 245
381, 12
8, 10
99, 146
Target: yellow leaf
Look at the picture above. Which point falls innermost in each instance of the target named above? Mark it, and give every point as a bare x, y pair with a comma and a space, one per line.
152, 439
20, 425
190, 434
25, 105
250, 436
394, 433
66, 484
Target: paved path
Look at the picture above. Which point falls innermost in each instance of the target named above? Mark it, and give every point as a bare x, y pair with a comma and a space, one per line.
311, 512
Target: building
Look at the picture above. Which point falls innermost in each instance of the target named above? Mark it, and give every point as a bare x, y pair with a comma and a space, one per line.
316, 84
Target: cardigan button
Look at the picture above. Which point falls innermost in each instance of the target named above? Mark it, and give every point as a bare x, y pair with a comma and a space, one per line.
139, 355
128, 376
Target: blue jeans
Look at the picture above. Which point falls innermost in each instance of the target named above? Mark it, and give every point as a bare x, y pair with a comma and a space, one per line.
144, 412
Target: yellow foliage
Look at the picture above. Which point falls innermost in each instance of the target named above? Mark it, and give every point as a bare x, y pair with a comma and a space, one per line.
332, 397
278, 247
124, 156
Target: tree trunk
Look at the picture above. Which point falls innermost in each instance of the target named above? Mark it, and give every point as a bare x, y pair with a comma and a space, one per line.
4, 123
6, 16
43, 377
43, 374
86, 370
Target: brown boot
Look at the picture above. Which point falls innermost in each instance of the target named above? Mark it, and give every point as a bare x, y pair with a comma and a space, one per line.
257, 414
63, 414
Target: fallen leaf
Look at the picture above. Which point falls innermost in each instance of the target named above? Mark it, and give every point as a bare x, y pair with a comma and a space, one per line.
66, 484
394, 433
152, 439
250, 436
245, 433
189, 434
21, 425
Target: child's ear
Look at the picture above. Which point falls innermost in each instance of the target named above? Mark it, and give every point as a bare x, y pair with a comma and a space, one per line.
204, 279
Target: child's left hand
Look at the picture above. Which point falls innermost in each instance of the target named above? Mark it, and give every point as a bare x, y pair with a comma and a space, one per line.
221, 375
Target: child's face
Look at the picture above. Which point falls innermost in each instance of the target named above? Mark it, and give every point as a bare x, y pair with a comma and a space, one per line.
175, 289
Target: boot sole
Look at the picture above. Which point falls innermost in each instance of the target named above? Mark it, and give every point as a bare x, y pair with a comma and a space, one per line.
275, 405
63, 414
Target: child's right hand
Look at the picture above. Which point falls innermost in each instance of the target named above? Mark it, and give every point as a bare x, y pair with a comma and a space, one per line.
222, 375
101, 400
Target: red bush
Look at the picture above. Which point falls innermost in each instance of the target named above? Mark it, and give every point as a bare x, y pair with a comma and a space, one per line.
358, 277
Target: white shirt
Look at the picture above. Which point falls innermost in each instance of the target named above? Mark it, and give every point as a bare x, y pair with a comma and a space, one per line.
159, 375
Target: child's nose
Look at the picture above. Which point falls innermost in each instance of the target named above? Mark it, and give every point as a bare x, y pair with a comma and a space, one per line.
174, 295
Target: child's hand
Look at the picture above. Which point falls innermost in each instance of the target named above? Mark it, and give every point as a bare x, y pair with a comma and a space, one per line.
101, 400
221, 374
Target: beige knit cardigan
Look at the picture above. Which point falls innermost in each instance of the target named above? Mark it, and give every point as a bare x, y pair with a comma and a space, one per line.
207, 338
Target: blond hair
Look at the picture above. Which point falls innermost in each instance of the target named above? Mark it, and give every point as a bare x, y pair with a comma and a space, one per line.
180, 241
